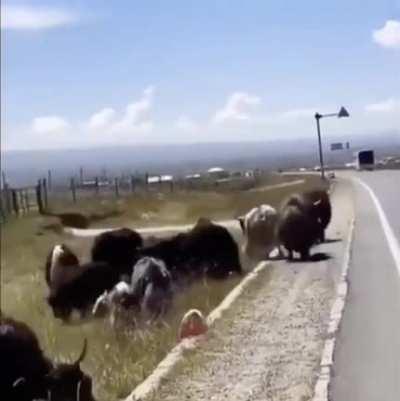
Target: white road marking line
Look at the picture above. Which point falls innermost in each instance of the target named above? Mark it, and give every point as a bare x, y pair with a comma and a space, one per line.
387, 229
321, 389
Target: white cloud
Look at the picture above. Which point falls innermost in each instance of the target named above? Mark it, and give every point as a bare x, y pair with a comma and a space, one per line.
388, 35
101, 119
34, 18
107, 126
186, 124
135, 118
149, 91
386, 106
137, 114
49, 125
238, 107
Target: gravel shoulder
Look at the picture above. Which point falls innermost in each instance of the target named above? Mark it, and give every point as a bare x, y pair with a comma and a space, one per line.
269, 344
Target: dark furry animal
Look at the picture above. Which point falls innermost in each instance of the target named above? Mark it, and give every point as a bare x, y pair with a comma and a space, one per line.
297, 231
316, 204
79, 288
59, 258
117, 248
26, 374
207, 248
151, 286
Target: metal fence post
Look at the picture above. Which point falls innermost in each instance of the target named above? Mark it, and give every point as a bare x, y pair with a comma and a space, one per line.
46, 200
49, 180
97, 185
39, 195
15, 204
73, 189
2, 211
116, 187
26, 195
7, 198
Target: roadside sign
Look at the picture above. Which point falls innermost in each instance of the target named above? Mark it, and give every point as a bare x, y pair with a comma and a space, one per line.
337, 146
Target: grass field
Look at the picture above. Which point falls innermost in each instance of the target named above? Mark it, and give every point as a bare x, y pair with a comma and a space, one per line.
117, 361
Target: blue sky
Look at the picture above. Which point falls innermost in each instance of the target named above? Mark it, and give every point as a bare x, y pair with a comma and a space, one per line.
92, 73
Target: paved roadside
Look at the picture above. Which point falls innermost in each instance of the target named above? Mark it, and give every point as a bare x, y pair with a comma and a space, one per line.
269, 344
367, 354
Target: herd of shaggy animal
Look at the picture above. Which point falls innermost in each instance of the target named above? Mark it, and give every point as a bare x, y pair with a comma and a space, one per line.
125, 274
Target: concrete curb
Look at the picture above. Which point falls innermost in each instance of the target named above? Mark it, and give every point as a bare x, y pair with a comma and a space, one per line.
321, 389
152, 383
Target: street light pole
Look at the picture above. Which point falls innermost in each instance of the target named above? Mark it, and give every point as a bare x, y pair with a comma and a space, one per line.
342, 113
321, 157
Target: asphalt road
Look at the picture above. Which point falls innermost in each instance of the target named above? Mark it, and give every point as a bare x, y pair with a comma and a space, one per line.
367, 355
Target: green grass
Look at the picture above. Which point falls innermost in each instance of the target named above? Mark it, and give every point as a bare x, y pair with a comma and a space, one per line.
117, 361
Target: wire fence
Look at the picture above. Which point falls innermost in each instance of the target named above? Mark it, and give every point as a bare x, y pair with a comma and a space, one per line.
19, 201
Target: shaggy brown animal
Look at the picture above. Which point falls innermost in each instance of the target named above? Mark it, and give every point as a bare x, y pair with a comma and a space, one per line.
316, 204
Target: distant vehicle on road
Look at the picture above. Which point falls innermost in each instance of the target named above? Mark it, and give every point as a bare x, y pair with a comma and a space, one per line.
365, 160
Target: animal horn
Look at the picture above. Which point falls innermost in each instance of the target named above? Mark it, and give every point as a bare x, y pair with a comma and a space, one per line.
19, 381
241, 222
78, 391
83, 353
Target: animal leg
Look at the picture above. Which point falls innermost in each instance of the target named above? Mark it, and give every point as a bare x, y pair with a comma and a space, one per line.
305, 254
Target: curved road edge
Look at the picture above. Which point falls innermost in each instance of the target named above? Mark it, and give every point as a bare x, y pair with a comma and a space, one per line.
366, 365
321, 389
387, 229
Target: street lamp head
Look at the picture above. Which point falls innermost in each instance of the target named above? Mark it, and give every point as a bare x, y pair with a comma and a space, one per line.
343, 113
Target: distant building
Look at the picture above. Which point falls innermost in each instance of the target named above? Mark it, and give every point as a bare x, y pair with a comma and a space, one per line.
157, 179
217, 173
337, 146
192, 177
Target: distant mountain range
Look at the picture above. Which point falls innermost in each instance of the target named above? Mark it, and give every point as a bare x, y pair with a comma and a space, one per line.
25, 167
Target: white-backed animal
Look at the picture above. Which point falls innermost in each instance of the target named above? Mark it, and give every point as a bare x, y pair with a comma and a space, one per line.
109, 300
58, 260
259, 229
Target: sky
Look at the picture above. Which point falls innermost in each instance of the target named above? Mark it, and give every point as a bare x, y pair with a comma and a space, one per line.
95, 73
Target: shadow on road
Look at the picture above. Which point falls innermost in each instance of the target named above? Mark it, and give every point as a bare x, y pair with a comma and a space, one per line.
320, 256
332, 240
316, 257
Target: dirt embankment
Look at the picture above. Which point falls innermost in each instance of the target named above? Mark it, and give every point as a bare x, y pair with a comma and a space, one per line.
269, 344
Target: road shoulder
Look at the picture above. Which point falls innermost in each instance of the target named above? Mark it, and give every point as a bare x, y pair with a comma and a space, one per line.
367, 354
269, 344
